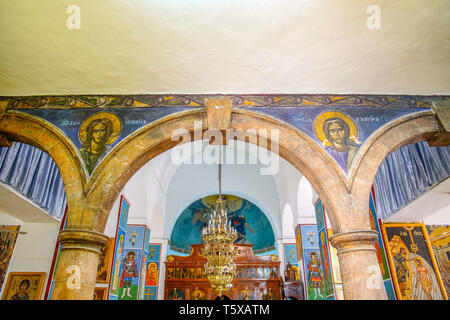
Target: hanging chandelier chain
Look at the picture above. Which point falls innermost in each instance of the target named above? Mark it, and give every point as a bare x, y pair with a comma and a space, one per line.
219, 250
220, 172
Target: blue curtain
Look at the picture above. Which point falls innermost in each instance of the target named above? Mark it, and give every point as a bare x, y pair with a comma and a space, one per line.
34, 174
407, 173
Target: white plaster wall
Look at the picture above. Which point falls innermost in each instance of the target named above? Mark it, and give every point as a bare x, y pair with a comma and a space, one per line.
111, 224
306, 213
137, 197
162, 272
156, 188
34, 250
6, 219
234, 46
287, 179
192, 182
288, 222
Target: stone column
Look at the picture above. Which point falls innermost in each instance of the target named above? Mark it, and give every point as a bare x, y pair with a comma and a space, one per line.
360, 271
76, 273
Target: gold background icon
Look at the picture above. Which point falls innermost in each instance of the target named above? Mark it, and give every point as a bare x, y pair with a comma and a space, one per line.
116, 129
321, 118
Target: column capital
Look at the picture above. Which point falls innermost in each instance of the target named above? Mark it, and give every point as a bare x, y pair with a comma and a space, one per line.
352, 241
80, 239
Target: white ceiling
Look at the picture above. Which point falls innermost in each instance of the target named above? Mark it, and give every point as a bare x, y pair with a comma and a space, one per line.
233, 46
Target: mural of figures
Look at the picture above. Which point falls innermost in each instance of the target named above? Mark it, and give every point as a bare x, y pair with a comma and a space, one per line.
244, 216
152, 274
99, 132
131, 261
96, 135
381, 254
323, 250
338, 132
240, 224
312, 264
440, 243
119, 247
118, 258
8, 237
328, 276
129, 274
152, 255
415, 277
315, 277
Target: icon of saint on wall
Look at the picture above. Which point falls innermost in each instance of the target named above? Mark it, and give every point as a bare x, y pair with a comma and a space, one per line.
96, 135
315, 274
415, 277
152, 274
22, 293
198, 294
338, 133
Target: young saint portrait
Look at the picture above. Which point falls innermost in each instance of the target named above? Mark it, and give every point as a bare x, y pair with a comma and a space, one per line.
96, 134
338, 133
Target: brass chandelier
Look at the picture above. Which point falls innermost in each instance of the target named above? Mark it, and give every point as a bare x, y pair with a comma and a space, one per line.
219, 250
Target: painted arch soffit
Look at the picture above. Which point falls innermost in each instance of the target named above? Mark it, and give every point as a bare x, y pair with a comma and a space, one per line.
340, 124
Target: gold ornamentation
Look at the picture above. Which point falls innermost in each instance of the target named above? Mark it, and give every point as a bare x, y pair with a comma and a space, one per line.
219, 250
116, 126
321, 118
274, 257
232, 203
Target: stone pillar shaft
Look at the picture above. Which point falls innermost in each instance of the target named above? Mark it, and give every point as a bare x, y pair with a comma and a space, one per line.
76, 273
360, 271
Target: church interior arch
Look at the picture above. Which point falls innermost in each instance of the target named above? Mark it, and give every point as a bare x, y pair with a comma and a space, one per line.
161, 190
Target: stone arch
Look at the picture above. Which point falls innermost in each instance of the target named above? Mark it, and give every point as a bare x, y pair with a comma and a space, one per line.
133, 152
39, 133
412, 128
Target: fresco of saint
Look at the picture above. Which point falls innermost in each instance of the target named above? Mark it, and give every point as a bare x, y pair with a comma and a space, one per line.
338, 134
97, 133
130, 271
240, 223
315, 274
